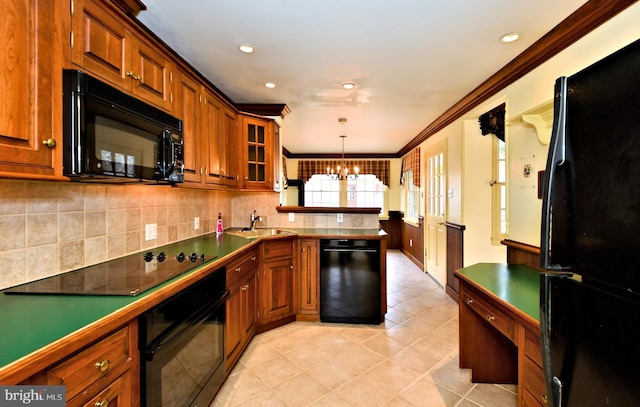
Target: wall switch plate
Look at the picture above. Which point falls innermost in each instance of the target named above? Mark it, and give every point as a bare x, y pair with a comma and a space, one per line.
292, 217
196, 223
150, 231
340, 218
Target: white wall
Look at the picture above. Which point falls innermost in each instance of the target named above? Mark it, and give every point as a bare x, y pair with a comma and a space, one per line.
469, 153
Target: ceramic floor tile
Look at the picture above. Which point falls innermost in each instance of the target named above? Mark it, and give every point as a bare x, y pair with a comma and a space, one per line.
409, 360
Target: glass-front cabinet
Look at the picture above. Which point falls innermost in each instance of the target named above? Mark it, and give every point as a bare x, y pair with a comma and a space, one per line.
258, 157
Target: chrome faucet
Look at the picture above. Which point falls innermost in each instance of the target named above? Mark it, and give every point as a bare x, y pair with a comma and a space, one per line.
254, 218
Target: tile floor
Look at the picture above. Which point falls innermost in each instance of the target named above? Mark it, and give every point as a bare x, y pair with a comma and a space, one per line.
410, 360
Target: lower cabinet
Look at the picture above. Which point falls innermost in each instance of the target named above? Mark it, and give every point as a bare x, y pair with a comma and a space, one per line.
105, 372
242, 305
309, 280
276, 283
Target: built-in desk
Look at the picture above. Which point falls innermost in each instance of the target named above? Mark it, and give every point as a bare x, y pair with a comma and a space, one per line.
500, 329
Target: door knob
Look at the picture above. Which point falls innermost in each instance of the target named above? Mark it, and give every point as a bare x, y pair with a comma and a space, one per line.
50, 142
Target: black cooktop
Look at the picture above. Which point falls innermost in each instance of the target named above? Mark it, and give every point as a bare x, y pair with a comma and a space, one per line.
126, 276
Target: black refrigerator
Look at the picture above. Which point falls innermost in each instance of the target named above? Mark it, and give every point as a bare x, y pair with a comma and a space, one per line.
590, 237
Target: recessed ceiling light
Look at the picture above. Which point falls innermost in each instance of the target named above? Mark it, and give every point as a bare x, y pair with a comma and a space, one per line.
348, 85
511, 37
270, 85
246, 48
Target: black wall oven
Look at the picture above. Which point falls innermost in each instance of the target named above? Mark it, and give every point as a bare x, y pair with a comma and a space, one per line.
182, 346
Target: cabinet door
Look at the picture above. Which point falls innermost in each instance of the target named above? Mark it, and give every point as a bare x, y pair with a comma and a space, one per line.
250, 305
233, 329
188, 109
309, 277
104, 46
100, 42
213, 136
257, 153
28, 82
151, 74
230, 157
277, 290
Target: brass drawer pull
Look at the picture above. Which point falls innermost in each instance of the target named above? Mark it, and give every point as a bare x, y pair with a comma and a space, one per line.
490, 317
49, 142
103, 366
245, 287
468, 301
253, 258
238, 269
103, 403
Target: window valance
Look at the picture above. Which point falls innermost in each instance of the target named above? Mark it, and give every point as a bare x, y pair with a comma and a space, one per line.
411, 161
379, 168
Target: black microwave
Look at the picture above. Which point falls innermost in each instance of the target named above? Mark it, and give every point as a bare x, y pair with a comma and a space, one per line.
110, 136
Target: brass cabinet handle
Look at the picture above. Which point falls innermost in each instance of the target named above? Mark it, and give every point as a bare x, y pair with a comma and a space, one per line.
253, 258
544, 397
238, 269
245, 287
490, 317
468, 301
49, 142
304, 249
103, 403
291, 267
103, 366
133, 76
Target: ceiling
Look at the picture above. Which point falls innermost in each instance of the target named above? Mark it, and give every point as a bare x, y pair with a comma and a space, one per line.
411, 60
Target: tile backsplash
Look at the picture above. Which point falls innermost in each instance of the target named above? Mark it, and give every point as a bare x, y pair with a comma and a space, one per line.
47, 228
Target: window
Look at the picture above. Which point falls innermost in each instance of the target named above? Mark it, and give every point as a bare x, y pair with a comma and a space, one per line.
412, 197
499, 198
366, 191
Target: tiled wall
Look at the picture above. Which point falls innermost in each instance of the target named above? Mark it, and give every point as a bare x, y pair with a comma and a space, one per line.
51, 227
47, 228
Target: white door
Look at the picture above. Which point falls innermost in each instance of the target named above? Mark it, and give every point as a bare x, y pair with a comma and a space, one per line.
436, 200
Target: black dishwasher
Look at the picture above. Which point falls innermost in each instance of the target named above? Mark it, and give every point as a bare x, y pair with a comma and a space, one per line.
350, 281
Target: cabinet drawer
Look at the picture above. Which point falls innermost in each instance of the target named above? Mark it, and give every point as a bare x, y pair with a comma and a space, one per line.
534, 381
281, 248
242, 264
91, 364
532, 347
489, 313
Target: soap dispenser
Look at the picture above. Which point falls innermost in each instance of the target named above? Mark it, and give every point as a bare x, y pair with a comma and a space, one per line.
219, 228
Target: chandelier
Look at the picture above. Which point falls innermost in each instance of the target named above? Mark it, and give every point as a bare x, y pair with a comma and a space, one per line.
341, 171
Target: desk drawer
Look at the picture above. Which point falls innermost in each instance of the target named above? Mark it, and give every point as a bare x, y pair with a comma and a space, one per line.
489, 313
534, 381
532, 347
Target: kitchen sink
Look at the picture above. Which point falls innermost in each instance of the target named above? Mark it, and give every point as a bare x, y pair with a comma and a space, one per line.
250, 234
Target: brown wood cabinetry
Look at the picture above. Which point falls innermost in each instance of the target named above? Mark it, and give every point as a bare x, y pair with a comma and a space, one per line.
309, 280
106, 371
257, 147
242, 305
188, 109
31, 85
220, 134
500, 344
104, 45
277, 282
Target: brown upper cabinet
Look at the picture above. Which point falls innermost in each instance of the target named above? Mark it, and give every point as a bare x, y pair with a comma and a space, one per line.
257, 139
220, 134
103, 45
30, 144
